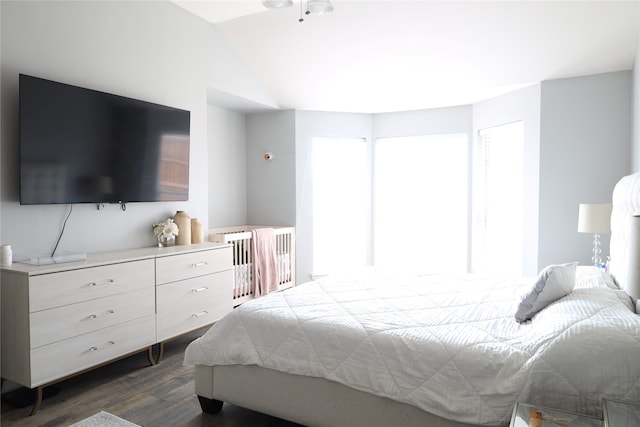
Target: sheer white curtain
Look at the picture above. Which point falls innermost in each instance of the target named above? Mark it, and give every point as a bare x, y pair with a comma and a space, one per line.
421, 202
341, 203
497, 233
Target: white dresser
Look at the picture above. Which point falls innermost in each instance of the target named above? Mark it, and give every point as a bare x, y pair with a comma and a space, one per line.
62, 319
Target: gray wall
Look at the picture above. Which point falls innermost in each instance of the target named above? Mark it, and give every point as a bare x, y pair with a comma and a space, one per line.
227, 145
271, 184
155, 51
585, 145
423, 122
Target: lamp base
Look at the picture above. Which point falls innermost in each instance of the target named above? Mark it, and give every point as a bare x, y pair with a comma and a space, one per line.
597, 260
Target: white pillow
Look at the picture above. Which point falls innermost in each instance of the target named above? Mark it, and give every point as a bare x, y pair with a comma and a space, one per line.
588, 276
553, 282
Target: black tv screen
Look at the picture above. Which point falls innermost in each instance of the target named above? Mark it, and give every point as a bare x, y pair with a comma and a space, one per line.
80, 145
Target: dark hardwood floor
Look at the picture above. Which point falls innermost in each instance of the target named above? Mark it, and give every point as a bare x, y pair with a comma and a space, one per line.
151, 396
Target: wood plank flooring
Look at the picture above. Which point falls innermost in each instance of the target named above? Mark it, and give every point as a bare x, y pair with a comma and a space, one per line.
151, 396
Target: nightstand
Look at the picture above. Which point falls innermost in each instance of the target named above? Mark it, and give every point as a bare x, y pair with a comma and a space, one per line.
525, 414
618, 413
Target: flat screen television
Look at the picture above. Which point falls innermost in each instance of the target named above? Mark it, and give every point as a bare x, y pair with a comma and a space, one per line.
80, 145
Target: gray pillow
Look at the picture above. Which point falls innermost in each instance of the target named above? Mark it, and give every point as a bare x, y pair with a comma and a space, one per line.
553, 282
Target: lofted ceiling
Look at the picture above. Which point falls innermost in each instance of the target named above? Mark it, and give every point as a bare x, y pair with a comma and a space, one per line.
373, 56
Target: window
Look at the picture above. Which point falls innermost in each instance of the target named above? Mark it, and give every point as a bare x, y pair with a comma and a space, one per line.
421, 202
341, 203
498, 200
406, 201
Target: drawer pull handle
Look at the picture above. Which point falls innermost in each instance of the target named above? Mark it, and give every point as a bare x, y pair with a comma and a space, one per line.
199, 264
92, 316
112, 342
111, 311
195, 291
94, 349
202, 313
92, 284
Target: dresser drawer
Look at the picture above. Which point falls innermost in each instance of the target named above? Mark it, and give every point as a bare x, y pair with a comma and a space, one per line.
56, 324
66, 357
190, 304
192, 264
72, 286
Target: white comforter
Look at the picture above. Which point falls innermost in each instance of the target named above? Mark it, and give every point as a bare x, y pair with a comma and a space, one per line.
447, 344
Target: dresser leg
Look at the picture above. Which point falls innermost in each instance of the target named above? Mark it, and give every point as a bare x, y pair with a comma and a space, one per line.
160, 352
38, 402
152, 360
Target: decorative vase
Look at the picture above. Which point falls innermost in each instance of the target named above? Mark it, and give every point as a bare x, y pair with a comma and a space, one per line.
183, 221
196, 231
166, 240
6, 256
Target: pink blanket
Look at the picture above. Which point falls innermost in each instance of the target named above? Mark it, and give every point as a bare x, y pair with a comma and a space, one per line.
264, 261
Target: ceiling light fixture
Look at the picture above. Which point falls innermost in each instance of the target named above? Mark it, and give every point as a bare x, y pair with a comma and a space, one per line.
277, 4
318, 7
307, 7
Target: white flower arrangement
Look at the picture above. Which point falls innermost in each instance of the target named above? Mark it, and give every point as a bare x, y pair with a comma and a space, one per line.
166, 228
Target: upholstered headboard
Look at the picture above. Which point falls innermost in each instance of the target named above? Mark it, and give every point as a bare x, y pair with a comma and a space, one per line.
625, 234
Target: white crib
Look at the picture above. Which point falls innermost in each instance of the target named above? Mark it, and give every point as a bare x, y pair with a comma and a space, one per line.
240, 237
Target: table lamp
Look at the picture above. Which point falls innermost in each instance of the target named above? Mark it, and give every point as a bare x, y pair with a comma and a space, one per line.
595, 218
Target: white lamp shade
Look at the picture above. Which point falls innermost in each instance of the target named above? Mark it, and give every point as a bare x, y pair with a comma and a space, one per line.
594, 218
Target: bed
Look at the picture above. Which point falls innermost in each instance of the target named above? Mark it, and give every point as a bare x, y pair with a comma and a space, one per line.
380, 348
